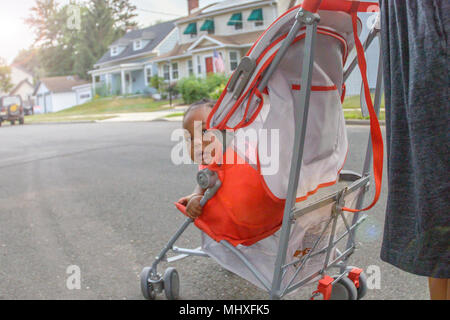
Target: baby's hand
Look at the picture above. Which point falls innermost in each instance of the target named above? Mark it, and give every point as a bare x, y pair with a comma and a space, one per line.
193, 208
184, 201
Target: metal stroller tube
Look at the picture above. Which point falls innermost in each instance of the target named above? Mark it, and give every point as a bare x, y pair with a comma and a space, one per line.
209, 181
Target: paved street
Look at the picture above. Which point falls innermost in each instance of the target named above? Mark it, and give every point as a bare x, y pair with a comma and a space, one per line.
100, 196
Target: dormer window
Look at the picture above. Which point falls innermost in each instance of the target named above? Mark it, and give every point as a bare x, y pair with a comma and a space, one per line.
236, 21
114, 51
137, 45
191, 30
257, 17
208, 26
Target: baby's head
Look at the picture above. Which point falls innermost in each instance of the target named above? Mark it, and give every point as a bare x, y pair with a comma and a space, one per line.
194, 121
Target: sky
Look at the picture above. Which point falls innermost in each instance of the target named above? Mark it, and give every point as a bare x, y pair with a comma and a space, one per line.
16, 35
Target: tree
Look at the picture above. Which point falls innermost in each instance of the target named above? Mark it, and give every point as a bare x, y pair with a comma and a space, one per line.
54, 38
103, 23
29, 60
123, 14
5, 77
62, 49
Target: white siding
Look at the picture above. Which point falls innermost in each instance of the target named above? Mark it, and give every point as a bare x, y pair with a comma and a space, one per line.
64, 100
83, 94
169, 42
17, 75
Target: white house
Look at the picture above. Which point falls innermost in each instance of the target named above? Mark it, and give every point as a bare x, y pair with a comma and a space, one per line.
18, 77
229, 28
59, 93
83, 93
25, 90
126, 67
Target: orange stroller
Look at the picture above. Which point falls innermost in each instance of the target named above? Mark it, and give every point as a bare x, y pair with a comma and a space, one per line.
282, 228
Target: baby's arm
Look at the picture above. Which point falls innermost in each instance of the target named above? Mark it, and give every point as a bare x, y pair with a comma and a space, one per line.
192, 203
197, 192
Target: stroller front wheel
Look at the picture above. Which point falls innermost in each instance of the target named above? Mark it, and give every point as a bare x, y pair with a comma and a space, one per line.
171, 284
344, 289
147, 288
362, 290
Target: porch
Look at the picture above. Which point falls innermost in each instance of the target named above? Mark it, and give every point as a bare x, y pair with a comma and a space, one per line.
124, 79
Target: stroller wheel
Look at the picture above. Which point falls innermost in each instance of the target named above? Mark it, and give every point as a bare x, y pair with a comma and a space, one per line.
171, 284
362, 290
344, 289
148, 290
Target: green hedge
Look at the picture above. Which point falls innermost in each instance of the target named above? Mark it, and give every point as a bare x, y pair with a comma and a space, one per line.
193, 89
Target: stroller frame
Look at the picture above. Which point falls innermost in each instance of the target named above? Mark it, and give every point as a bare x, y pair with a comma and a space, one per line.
152, 282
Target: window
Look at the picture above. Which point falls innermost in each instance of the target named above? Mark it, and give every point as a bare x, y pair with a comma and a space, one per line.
175, 71
257, 17
234, 60
85, 96
114, 51
148, 75
137, 45
199, 65
208, 25
236, 21
190, 67
191, 29
166, 72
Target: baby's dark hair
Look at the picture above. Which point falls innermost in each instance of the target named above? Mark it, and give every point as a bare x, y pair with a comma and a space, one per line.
199, 104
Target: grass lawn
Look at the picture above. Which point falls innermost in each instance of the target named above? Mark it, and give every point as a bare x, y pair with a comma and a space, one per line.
175, 114
101, 109
105, 108
353, 102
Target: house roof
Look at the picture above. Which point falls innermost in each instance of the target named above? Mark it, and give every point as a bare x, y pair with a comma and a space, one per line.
238, 39
60, 84
225, 5
155, 34
232, 40
21, 83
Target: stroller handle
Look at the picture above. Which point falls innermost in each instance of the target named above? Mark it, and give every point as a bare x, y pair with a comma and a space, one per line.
209, 181
311, 5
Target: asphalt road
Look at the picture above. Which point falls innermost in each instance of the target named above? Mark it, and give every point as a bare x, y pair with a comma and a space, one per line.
99, 196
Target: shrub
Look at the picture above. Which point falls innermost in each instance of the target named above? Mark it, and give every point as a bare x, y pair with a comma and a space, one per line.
193, 89
157, 83
215, 95
215, 80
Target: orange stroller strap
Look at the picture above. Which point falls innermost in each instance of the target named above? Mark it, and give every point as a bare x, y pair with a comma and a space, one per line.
375, 130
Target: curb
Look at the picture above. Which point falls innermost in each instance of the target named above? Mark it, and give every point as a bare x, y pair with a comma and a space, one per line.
60, 122
347, 122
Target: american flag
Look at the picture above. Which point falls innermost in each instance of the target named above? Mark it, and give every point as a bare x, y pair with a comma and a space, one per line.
218, 62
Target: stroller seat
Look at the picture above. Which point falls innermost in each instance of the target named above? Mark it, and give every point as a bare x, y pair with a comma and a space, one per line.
249, 204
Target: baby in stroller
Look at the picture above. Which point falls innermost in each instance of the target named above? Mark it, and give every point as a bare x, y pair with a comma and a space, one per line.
194, 122
277, 230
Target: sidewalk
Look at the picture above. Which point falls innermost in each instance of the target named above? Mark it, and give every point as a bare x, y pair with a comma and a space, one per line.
174, 114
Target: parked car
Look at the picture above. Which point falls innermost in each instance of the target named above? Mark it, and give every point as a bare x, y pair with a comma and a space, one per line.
11, 109
28, 110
